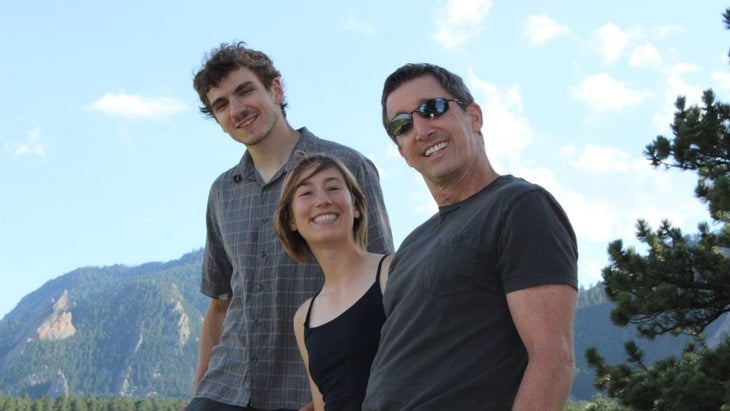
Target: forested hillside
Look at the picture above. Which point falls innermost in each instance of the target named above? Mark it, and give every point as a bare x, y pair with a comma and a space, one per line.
125, 331
133, 332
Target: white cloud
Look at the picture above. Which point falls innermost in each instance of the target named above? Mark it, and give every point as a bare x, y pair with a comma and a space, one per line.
361, 26
506, 128
126, 105
676, 86
593, 219
541, 29
605, 207
667, 31
722, 79
612, 40
459, 20
645, 55
606, 160
603, 92
31, 145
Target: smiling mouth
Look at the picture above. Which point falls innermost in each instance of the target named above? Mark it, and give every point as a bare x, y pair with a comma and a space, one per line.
247, 122
435, 149
325, 218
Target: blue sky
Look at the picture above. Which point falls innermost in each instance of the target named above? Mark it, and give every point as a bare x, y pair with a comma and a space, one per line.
104, 158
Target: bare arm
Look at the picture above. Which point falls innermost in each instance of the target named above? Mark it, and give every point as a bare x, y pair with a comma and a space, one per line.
544, 319
299, 317
210, 335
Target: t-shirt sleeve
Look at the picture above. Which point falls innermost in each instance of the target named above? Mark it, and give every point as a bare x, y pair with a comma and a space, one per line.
537, 244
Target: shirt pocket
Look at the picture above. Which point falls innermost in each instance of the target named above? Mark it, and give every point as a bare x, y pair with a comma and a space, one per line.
451, 266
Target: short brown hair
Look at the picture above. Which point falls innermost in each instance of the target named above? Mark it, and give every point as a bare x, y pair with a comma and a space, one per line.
292, 241
226, 58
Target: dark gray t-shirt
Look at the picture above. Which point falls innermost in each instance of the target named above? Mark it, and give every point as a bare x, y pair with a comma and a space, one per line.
449, 342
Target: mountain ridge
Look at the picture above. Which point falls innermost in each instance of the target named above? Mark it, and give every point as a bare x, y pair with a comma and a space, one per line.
133, 331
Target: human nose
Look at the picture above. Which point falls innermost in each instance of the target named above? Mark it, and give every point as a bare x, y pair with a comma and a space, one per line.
421, 126
322, 198
237, 106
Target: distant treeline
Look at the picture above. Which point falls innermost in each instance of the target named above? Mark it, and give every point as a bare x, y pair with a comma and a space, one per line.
74, 403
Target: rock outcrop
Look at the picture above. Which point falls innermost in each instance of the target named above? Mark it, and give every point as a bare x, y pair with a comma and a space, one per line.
59, 324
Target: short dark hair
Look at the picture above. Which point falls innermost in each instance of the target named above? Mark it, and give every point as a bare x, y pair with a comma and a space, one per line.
227, 58
451, 82
292, 241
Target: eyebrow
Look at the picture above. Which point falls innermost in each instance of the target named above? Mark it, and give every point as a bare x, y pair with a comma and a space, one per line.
307, 181
237, 90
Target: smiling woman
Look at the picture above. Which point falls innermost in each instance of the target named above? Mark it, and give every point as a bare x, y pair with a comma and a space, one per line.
313, 180
322, 212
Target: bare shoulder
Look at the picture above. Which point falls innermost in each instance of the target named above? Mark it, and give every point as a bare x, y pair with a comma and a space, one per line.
385, 271
301, 314
386, 263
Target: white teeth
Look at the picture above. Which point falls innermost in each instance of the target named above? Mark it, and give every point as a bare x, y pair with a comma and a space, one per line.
247, 122
433, 149
325, 218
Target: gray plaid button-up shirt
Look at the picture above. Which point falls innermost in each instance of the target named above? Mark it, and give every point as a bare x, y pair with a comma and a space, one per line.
257, 362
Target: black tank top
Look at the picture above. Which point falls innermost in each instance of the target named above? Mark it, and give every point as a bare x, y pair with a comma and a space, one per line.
342, 350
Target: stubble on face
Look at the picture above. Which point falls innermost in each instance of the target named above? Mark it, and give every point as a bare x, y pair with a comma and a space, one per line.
244, 108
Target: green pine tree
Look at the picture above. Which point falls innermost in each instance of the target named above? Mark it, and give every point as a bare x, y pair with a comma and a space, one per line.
682, 284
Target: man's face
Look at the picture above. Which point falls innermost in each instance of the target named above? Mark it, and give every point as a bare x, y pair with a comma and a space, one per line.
443, 148
244, 108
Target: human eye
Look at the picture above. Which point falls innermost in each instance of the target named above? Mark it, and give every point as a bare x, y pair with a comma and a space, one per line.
243, 91
219, 106
303, 192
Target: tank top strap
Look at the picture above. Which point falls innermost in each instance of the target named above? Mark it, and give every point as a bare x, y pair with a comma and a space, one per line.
309, 310
377, 276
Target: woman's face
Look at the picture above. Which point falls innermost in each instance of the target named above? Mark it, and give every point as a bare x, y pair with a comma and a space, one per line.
322, 207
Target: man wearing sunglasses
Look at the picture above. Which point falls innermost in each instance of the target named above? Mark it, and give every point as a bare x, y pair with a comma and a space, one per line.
481, 297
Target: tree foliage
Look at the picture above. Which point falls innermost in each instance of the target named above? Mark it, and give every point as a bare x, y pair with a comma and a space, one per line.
89, 403
682, 284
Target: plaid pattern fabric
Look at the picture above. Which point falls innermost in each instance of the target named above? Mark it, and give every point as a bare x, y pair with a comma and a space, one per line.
257, 362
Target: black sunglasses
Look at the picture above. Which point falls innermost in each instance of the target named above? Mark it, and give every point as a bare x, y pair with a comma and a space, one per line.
429, 109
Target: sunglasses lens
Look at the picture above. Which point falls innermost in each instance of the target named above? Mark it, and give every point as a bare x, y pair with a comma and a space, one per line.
400, 124
433, 108
430, 109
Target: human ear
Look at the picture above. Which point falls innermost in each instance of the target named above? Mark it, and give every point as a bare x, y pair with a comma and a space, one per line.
475, 113
277, 90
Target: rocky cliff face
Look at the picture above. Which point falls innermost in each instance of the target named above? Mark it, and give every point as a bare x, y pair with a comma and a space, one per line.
58, 386
58, 325
119, 330
49, 320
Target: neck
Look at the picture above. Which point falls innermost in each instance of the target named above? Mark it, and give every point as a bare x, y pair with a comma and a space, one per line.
341, 264
273, 152
468, 183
